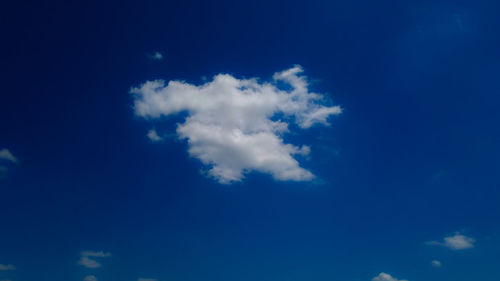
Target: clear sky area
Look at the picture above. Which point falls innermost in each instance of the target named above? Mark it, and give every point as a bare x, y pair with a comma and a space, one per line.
250, 140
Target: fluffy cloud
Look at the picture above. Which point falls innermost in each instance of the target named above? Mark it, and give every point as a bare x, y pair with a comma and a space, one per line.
459, 242
90, 278
5, 267
92, 263
147, 279
5, 154
385, 277
436, 263
235, 126
456, 242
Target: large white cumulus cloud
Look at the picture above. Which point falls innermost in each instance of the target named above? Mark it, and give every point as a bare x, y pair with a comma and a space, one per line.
235, 125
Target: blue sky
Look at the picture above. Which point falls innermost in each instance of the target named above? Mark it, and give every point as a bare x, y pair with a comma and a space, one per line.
390, 174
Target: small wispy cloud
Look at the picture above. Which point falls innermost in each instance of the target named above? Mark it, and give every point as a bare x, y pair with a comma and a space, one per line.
6, 158
147, 279
91, 262
6, 267
99, 254
436, 263
156, 56
153, 136
386, 277
5, 154
455, 242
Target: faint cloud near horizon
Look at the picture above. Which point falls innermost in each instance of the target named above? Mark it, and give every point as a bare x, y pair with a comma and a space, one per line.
232, 126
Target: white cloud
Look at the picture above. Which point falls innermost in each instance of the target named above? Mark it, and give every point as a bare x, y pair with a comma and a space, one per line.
436, 263
459, 242
7, 155
90, 278
235, 126
89, 263
5, 267
386, 277
147, 279
456, 242
153, 136
156, 56
92, 263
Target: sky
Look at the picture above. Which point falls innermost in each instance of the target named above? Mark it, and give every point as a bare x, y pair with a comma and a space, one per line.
249, 140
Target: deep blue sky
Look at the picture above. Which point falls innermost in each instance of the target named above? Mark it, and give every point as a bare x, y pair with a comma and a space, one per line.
414, 157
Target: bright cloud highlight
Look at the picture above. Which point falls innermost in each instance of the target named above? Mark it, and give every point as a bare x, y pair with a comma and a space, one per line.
235, 126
